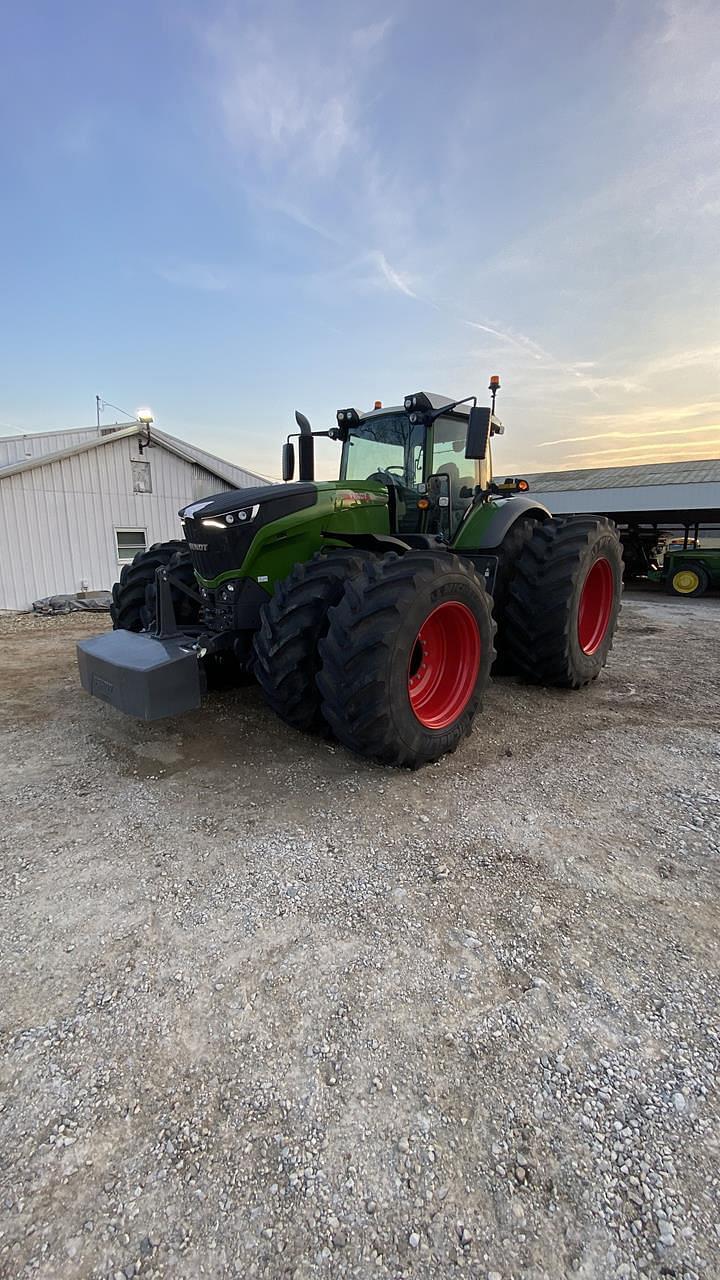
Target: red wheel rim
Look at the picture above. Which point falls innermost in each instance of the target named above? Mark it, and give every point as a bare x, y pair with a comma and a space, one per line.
596, 606
444, 665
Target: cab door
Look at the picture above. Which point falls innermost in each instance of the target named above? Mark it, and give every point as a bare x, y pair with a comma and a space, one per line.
451, 483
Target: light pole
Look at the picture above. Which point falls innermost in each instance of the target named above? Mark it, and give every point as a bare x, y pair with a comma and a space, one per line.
146, 417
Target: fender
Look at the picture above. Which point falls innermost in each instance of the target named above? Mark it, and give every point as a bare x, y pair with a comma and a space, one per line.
496, 520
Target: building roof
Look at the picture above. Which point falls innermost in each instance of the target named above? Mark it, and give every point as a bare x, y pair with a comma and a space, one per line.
680, 492
227, 472
653, 473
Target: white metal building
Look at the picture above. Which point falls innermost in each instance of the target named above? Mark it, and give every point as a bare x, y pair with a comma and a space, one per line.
76, 505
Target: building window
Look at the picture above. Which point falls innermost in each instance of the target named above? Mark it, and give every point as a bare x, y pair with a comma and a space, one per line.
141, 476
129, 542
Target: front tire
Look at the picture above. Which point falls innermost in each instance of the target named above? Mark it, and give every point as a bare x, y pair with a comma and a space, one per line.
565, 601
407, 657
187, 609
128, 595
285, 648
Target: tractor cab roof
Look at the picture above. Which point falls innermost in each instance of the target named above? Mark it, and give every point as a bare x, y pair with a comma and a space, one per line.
436, 401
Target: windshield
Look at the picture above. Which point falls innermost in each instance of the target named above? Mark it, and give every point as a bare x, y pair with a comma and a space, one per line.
388, 443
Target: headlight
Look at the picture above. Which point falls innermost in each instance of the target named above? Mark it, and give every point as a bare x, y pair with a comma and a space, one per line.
242, 516
348, 415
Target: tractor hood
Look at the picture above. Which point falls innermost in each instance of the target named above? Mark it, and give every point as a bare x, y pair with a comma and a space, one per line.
219, 530
292, 518
292, 497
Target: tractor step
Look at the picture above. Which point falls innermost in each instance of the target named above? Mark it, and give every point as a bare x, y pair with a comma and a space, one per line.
142, 675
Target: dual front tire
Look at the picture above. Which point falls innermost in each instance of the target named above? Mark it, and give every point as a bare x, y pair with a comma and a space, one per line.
392, 654
407, 658
131, 609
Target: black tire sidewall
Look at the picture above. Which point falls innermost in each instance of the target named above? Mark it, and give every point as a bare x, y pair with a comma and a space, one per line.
587, 665
417, 605
129, 594
298, 702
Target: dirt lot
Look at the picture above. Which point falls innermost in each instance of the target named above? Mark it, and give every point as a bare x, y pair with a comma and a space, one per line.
271, 1011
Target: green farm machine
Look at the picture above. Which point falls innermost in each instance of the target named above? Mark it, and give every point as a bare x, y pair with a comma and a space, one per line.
687, 571
374, 606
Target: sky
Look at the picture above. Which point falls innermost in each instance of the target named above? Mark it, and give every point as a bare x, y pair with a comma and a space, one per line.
227, 211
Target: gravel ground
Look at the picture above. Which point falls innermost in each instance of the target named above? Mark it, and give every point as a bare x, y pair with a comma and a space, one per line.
271, 1011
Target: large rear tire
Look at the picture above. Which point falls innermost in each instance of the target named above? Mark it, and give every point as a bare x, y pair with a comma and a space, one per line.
565, 601
407, 657
128, 595
285, 648
509, 553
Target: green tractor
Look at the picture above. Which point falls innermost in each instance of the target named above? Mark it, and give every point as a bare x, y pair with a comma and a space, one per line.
374, 605
687, 571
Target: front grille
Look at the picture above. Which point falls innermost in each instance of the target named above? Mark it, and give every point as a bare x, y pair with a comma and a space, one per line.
219, 532
216, 551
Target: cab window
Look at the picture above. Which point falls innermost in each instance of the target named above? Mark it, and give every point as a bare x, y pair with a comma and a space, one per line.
388, 443
449, 459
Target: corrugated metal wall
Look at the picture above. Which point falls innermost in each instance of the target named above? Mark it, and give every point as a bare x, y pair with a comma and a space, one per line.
20, 448
243, 479
58, 520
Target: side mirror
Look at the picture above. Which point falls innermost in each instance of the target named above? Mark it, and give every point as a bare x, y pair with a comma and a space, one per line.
478, 433
288, 461
306, 456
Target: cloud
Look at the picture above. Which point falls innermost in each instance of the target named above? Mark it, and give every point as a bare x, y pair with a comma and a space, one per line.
366, 272
641, 451
267, 110
627, 435
665, 175
197, 275
603, 249
515, 339
672, 361
291, 94
300, 218
393, 277
680, 61
364, 39
569, 373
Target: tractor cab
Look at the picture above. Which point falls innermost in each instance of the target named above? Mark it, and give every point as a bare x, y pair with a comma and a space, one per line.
431, 453
429, 479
